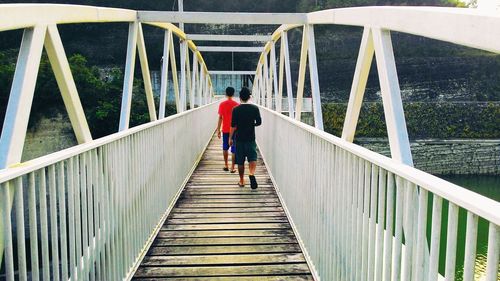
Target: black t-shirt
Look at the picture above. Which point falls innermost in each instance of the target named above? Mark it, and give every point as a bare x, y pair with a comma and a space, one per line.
245, 118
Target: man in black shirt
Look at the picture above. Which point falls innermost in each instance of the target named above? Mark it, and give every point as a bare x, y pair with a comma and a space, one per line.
245, 118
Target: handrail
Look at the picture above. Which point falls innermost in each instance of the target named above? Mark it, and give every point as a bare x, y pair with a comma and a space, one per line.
16, 16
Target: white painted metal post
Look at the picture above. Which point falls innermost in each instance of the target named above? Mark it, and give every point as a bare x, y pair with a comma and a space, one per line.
267, 84
188, 80
207, 89
66, 84
183, 47
274, 76
128, 77
164, 74
363, 65
193, 81
201, 85
143, 58
18, 109
173, 64
281, 71
391, 97
302, 73
313, 74
288, 75
21, 96
262, 88
181, 9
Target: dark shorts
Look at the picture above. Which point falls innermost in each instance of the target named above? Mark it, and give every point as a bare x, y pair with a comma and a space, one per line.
246, 149
225, 143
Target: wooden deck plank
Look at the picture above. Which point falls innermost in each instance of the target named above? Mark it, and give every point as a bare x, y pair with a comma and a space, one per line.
226, 215
219, 231
227, 210
225, 233
224, 250
234, 278
226, 226
227, 220
225, 241
223, 260
184, 271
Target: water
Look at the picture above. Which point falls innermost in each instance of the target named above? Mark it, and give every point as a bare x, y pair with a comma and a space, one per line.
488, 186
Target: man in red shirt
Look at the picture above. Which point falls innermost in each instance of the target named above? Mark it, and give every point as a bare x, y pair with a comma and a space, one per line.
225, 113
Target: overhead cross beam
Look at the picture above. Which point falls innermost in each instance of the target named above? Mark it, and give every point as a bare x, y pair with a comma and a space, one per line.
233, 38
232, 72
231, 49
222, 18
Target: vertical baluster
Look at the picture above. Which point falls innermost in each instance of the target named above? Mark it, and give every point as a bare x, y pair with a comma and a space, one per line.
435, 237
85, 228
389, 227
421, 231
90, 215
354, 196
62, 220
359, 219
71, 219
398, 230
379, 244
44, 231
53, 222
97, 206
451, 242
493, 252
336, 229
470, 246
372, 228
7, 229
21, 240
366, 214
78, 216
33, 227
408, 232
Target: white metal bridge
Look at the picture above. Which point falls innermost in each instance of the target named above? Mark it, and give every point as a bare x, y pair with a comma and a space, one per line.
92, 212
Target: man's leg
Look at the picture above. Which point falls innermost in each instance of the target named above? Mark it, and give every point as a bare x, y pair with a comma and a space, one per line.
233, 155
233, 159
225, 148
226, 154
252, 165
241, 171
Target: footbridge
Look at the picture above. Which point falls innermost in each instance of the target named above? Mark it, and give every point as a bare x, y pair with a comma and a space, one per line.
152, 202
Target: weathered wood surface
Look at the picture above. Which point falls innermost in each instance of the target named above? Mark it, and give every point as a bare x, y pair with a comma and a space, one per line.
219, 231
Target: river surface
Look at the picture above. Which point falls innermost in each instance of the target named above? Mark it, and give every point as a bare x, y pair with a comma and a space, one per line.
488, 186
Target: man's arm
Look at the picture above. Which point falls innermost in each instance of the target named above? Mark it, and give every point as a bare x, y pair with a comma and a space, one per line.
218, 126
234, 122
258, 119
231, 133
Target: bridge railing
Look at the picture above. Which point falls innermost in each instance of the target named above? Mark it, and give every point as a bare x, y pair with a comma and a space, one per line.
348, 205
91, 211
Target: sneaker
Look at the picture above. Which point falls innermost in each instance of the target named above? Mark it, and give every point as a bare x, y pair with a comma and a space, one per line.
253, 182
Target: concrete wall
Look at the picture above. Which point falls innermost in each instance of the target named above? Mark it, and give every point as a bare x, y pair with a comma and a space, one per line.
49, 135
448, 157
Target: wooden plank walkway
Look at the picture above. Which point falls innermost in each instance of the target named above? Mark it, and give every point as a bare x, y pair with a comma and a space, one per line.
219, 231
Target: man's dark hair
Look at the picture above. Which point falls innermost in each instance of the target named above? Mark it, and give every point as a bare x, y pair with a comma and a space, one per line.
229, 91
245, 94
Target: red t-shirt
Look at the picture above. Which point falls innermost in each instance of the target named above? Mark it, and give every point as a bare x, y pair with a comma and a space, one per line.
226, 111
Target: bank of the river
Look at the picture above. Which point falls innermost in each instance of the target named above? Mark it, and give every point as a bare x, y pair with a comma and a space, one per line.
448, 157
